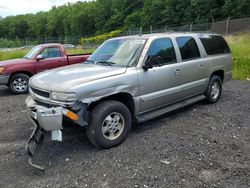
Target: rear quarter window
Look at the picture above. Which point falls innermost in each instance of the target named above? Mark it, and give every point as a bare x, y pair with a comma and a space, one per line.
214, 45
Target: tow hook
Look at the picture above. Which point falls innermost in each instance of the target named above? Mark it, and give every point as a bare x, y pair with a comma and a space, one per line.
32, 146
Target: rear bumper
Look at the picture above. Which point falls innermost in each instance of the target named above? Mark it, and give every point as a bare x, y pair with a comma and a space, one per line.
4, 79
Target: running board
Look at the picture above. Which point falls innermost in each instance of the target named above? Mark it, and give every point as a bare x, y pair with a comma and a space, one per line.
163, 110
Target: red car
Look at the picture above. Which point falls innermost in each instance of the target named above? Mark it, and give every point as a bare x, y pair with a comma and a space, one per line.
16, 73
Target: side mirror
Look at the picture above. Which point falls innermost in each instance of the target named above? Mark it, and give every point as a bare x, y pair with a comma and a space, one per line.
39, 57
147, 66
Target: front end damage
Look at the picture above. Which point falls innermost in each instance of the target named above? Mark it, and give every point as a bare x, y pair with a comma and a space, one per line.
49, 118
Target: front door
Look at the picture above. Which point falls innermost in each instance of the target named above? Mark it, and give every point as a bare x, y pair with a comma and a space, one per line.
51, 58
160, 83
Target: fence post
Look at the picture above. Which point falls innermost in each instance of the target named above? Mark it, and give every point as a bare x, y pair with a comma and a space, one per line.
26, 41
166, 28
129, 31
227, 27
151, 29
140, 30
191, 27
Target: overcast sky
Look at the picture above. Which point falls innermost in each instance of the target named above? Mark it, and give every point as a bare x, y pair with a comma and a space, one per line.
14, 7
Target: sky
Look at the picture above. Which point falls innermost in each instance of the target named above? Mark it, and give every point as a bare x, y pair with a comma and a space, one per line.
15, 7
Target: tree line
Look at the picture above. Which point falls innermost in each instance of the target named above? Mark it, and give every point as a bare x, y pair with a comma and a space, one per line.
101, 16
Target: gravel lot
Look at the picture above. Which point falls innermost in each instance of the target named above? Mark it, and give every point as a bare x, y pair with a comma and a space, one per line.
198, 146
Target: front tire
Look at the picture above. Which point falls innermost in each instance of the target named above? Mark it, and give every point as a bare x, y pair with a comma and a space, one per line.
214, 90
109, 125
19, 83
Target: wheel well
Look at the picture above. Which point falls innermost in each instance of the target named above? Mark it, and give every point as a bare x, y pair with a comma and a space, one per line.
21, 72
124, 98
219, 73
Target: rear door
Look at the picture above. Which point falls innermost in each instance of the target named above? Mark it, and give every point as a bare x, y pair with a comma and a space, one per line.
160, 84
52, 58
194, 66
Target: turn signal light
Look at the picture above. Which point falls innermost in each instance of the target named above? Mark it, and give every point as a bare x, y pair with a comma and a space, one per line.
70, 115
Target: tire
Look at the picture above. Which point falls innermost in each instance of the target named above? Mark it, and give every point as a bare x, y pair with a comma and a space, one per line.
19, 83
214, 90
110, 123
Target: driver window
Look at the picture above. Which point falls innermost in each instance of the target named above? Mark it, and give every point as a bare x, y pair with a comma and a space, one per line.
161, 52
51, 53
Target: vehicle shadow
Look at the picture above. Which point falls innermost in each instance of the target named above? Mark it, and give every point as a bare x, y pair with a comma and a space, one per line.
153, 123
5, 91
75, 140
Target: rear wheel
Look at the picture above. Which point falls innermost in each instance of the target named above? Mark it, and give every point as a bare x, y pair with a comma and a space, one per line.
109, 125
19, 83
214, 89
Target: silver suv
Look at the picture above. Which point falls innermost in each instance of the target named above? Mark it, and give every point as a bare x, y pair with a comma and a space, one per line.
128, 79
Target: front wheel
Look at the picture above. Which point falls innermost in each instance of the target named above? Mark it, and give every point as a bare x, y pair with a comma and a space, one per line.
19, 83
109, 125
214, 90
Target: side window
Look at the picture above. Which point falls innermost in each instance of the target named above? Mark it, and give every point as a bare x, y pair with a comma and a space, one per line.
215, 44
161, 52
51, 53
188, 48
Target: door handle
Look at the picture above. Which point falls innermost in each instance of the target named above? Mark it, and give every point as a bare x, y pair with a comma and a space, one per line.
59, 61
178, 71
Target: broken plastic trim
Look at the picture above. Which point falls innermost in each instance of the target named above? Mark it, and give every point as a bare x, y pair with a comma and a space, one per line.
32, 146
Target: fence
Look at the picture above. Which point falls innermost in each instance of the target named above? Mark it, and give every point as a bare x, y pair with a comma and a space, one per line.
224, 27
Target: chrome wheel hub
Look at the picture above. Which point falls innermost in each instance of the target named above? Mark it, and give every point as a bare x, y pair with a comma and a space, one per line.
113, 126
20, 84
215, 90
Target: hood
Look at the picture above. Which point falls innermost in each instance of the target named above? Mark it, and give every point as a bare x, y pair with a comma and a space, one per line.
13, 62
62, 79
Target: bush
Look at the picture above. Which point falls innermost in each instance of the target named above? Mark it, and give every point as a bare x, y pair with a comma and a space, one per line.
100, 38
6, 43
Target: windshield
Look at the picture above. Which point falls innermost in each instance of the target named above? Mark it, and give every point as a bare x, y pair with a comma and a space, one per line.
118, 52
33, 52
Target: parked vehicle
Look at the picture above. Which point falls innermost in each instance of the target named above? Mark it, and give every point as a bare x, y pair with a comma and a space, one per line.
69, 46
16, 73
128, 79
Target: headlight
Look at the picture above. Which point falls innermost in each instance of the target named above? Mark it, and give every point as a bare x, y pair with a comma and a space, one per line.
68, 97
1, 70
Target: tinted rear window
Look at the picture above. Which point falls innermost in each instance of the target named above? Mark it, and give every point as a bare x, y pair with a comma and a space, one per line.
188, 48
215, 45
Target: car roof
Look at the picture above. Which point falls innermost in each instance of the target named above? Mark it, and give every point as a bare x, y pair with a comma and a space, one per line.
166, 34
49, 44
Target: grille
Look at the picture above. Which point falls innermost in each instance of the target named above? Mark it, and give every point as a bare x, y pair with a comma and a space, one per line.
39, 92
43, 104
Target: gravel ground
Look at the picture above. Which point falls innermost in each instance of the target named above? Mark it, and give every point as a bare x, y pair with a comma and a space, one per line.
198, 146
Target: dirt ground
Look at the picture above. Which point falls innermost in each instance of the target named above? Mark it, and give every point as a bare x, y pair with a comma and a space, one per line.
198, 146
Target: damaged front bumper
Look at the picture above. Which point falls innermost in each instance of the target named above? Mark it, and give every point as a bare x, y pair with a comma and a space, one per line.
48, 119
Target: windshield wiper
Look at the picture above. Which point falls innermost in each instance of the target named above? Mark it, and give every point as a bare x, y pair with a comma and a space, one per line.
89, 61
105, 62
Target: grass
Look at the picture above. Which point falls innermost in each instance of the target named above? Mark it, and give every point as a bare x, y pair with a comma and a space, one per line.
17, 53
12, 54
239, 44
